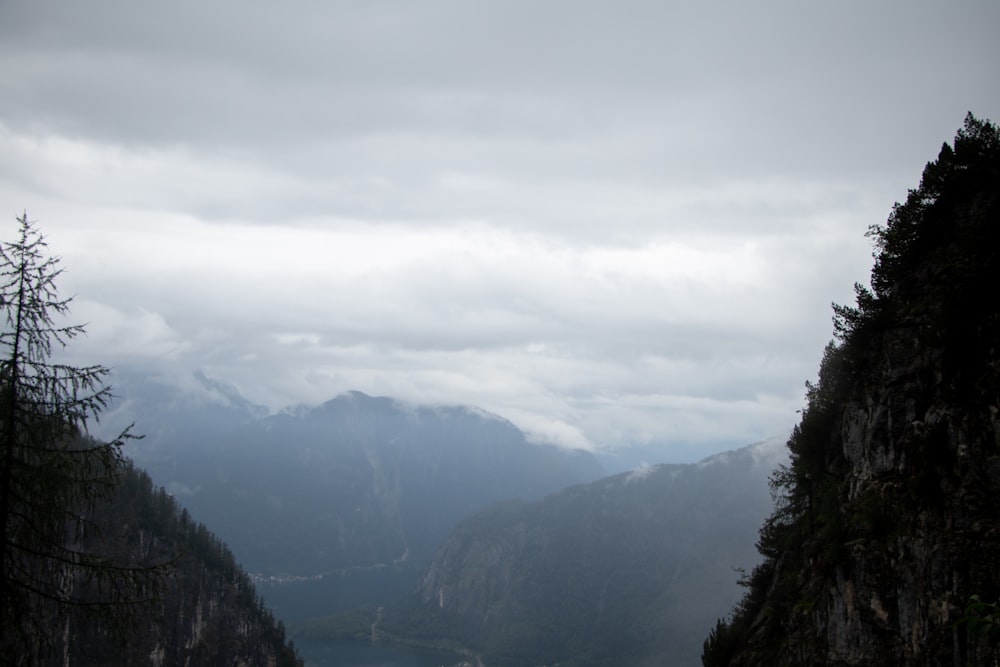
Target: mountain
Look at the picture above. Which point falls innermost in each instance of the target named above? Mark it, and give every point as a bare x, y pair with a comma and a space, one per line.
206, 612
342, 503
629, 569
885, 546
626, 457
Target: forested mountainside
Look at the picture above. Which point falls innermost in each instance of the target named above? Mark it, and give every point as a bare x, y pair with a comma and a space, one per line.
885, 547
627, 570
206, 611
359, 490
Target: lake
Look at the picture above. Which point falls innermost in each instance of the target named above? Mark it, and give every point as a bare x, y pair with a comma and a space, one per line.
360, 654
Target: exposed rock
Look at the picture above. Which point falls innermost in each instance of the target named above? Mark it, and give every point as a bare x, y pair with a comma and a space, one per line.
890, 522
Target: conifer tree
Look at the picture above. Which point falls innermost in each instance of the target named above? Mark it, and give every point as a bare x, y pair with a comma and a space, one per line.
52, 474
919, 351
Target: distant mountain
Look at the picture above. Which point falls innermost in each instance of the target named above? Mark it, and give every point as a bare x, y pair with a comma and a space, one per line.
630, 569
207, 611
626, 457
352, 496
173, 413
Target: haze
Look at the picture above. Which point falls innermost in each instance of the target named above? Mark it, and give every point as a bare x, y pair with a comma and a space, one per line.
612, 223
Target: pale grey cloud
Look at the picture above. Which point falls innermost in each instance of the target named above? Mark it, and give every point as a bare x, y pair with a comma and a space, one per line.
609, 222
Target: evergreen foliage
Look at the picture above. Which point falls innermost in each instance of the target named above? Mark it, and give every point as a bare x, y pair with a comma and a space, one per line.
208, 612
98, 567
51, 474
931, 322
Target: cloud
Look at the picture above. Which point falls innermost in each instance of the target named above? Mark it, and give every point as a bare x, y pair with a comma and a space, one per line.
610, 224
140, 334
640, 473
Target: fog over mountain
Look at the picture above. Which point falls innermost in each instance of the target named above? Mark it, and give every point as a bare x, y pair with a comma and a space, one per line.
612, 223
364, 501
355, 494
629, 569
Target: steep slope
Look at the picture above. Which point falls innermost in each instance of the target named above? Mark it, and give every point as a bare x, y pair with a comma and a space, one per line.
206, 612
626, 570
344, 503
890, 521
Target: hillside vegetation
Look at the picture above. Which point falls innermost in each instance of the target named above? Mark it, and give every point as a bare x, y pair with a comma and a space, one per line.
885, 546
206, 611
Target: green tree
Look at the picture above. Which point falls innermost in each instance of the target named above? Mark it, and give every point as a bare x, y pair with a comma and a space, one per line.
922, 341
52, 474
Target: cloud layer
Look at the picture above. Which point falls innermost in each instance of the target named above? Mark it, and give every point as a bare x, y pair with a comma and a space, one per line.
610, 223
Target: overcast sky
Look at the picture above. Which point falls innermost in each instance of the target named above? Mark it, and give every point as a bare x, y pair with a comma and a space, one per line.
610, 222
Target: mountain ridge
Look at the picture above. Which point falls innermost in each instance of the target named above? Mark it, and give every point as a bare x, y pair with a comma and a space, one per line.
631, 567
357, 483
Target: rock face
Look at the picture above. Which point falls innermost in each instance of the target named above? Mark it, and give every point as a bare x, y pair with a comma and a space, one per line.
890, 521
206, 611
626, 570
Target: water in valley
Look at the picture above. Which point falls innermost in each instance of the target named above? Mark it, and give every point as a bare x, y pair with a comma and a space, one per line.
360, 654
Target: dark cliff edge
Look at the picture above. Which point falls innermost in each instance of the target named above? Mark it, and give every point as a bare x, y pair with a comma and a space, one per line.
206, 611
885, 546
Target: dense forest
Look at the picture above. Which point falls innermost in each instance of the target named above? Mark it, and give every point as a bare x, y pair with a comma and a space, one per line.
206, 610
885, 544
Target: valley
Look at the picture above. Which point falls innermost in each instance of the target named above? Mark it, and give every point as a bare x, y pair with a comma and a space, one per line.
437, 515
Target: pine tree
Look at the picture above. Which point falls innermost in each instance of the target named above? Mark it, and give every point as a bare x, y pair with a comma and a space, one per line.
52, 474
914, 372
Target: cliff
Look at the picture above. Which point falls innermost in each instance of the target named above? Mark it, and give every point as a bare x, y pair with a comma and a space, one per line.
885, 547
205, 611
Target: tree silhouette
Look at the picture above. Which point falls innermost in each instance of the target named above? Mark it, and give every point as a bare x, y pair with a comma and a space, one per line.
913, 379
52, 474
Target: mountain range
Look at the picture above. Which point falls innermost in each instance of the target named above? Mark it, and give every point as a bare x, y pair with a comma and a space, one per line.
447, 519
629, 569
339, 504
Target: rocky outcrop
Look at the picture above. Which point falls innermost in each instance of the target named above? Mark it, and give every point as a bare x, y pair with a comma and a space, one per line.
886, 546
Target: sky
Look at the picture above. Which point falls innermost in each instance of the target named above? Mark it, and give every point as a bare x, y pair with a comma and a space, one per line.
613, 223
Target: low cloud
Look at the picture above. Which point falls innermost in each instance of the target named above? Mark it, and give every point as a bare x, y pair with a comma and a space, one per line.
642, 472
610, 225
